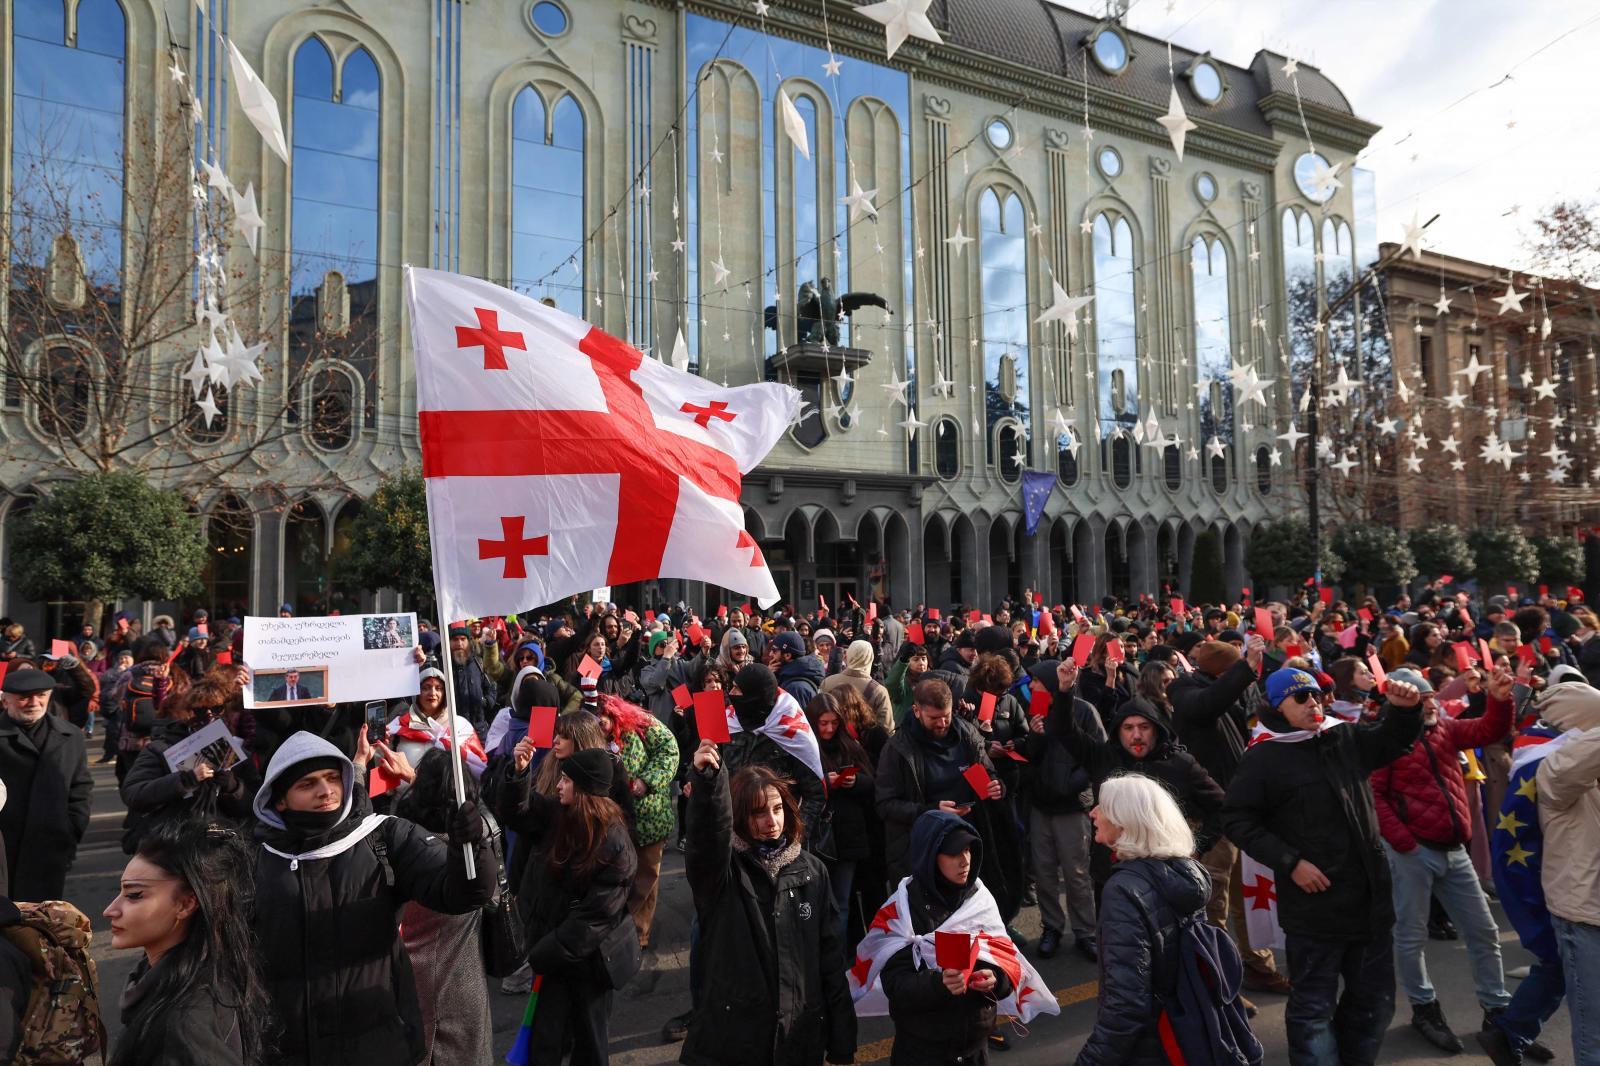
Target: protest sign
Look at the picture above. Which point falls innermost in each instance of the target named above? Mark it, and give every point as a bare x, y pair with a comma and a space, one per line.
328, 659
211, 742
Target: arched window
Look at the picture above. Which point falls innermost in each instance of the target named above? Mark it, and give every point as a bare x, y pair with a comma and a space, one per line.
1066, 463
807, 219
1172, 467
67, 397
1338, 272
547, 208
67, 134
335, 169
1213, 335
1009, 444
331, 396
305, 559
1219, 472
947, 448
230, 537
342, 596
1263, 471
1003, 284
1122, 462
194, 421
1300, 295
1115, 326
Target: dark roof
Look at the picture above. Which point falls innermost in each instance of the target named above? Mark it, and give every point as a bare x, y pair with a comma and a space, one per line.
1042, 36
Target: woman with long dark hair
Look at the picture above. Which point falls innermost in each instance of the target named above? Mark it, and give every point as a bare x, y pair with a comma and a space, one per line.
197, 994
851, 812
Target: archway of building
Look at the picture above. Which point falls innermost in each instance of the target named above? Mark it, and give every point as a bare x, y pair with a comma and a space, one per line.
891, 576
1062, 585
230, 549
841, 573
1085, 584
1167, 578
1005, 560
1233, 540
936, 561
963, 561
1141, 568
1119, 574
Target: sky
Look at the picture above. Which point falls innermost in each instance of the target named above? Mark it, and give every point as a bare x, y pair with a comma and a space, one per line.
1403, 64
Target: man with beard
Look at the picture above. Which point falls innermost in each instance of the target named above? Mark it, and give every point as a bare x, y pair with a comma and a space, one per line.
475, 692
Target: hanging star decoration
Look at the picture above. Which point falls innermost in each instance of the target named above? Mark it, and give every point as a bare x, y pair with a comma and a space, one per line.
1545, 390
1414, 463
1293, 436
859, 202
1176, 122
680, 352
1325, 178
1345, 464
793, 125
198, 373
1450, 444
1473, 369
1412, 241
1275, 456
175, 72
1388, 426
1512, 300
1341, 387
719, 272
246, 219
257, 103
1291, 67
1455, 401
958, 240
831, 67
1063, 308
841, 380
902, 19
911, 423
896, 390
1443, 306
208, 407
1214, 447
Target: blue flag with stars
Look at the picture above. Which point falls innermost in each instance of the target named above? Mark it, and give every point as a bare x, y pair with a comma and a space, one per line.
1036, 488
1516, 844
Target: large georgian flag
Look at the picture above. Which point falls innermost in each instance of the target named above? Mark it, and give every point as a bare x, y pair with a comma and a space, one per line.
559, 459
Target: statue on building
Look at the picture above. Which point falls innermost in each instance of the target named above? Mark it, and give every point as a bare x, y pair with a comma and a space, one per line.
820, 310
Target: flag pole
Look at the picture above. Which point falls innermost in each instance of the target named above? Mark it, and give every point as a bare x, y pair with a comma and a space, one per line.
449, 661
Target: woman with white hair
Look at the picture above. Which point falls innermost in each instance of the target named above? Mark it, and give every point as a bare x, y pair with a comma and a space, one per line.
1153, 887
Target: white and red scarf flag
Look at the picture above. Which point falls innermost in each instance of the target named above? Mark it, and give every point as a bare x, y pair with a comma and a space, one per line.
1258, 884
787, 726
413, 728
559, 459
979, 918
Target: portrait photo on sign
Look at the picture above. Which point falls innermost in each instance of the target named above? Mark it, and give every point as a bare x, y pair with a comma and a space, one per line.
293, 685
382, 631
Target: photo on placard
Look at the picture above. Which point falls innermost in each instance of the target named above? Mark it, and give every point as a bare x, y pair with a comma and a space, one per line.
290, 686
382, 631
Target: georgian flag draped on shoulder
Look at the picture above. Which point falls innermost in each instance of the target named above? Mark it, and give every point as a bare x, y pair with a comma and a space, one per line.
415, 728
979, 917
559, 459
788, 728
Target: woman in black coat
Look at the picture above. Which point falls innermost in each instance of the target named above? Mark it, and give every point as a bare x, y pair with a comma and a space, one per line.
775, 991
851, 812
573, 899
1153, 887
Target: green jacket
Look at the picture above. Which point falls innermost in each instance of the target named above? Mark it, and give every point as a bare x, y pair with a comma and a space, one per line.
899, 692
653, 759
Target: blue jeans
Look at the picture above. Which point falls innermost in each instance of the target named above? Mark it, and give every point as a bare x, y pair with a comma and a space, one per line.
1327, 1027
1580, 959
1424, 872
841, 878
1532, 1004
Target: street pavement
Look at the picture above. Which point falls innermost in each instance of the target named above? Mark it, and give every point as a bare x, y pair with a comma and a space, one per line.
662, 987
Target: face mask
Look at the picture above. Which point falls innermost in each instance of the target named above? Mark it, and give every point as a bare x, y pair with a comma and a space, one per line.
310, 823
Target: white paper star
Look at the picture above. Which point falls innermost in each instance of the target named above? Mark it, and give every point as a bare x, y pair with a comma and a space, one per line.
718, 271
257, 102
860, 202
1458, 465
677, 246
1545, 390
208, 407
1293, 436
1176, 122
1443, 306
854, 411
762, 7
246, 219
1414, 464
902, 19
1063, 308
911, 423
198, 373
842, 379
896, 390
1473, 369
1455, 401
1275, 457
1086, 226
831, 67
176, 73
1324, 178
1450, 444
1291, 67
942, 386
1344, 465
958, 240
680, 352
1253, 388
652, 276
1511, 301
1214, 447
793, 125
1193, 453
1420, 440
1412, 241
1388, 425
1341, 387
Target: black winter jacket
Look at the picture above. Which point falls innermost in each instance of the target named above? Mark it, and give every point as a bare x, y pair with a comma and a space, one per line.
1311, 800
951, 662
932, 1026
852, 811
47, 805
1059, 778
195, 1031
1211, 719
1140, 909
153, 793
769, 946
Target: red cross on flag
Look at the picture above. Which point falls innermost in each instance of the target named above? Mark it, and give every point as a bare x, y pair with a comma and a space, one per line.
559, 459
1258, 885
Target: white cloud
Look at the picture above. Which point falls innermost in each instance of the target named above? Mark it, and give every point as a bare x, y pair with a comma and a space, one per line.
1408, 64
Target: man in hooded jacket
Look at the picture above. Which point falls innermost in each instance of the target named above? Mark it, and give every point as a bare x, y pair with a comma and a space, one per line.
799, 674
330, 880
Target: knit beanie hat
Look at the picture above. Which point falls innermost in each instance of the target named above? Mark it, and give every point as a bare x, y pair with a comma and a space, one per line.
590, 770
858, 656
658, 639
1214, 657
284, 781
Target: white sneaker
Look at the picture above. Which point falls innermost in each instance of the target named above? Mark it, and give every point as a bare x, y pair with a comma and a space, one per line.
1519, 972
519, 983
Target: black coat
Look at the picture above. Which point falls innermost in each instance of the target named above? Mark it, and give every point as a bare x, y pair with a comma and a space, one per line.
152, 792
47, 806
1059, 778
853, 811
749, 748
329, 933
775, 990
1140, 909
1211, 719
477, 697
1311, 800
194, 1031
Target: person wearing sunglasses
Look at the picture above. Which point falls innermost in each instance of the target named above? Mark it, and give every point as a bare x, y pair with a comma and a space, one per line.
1300, 804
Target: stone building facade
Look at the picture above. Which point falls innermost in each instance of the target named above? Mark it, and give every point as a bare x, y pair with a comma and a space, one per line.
628, 160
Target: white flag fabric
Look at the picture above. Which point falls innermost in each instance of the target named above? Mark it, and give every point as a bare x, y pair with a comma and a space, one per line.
979, 917
786, 726
1259, 887
558, 459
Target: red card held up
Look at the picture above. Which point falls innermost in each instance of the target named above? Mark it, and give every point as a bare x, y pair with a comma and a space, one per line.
722, 610
205, 629
1082, 648
58, 648
1546, 646
915, 634
1326, 596
4, 666
542, 726
682, 698
1176, 603
170, 658
1015, 755
588, 667
1526, 654
986, 707
695, 633
978, 778
1488, 655
1364, 614
1114, 652
933, 614
1263, 623
1039, 704
952, 951
225, 658
1464, 656
711, 716
1038, 599
1377, 670
973, 616
649, 616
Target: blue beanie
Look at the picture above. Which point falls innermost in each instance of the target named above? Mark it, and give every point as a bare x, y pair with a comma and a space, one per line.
1282, 684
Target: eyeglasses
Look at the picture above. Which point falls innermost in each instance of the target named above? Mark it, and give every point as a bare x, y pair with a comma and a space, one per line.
1303, 697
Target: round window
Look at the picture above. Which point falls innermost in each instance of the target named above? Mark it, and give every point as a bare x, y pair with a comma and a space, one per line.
1308, 169
1206, 82
1205, 187
549, 18
1110, 162
999, 135
1110, 51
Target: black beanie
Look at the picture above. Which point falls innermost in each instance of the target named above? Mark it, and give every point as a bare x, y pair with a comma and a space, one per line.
295, 771
992, 639
590, 770
758, 691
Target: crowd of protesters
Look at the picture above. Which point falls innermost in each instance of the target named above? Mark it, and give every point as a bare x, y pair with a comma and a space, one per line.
1120, 766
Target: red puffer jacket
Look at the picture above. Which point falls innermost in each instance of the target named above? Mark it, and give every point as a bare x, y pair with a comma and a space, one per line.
1421, 796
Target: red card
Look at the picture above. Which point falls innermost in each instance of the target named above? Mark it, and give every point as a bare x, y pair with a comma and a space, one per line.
1264, 625
1047, 624
682, 698
1464, 657
722, 610
629, 616
58, 648
973, 616
933, 614
952, 951
122, 624
695, 634
986, 620
380, 781
847, 775
1114, 652
649, 616
1326, 596
978, 778
1377, 669
915, 634
872, 611
1082, 648
225, 658
749, 611
205, 630
542, 726
823, 600
1488, 656
1445, 579
1015, 755
1511, 590
1546, 646
588, 668
711, 716
4, 666
1245, 592
1525, 653
1038, 599
1176, 603
1076, 613
986, 707
1544, 590
1039, 704
1364, 614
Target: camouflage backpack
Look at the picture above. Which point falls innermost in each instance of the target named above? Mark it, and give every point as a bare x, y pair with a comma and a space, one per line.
62, 1022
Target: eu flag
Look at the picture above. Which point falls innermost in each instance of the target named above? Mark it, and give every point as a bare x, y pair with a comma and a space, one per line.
1036, 488
1516, 844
